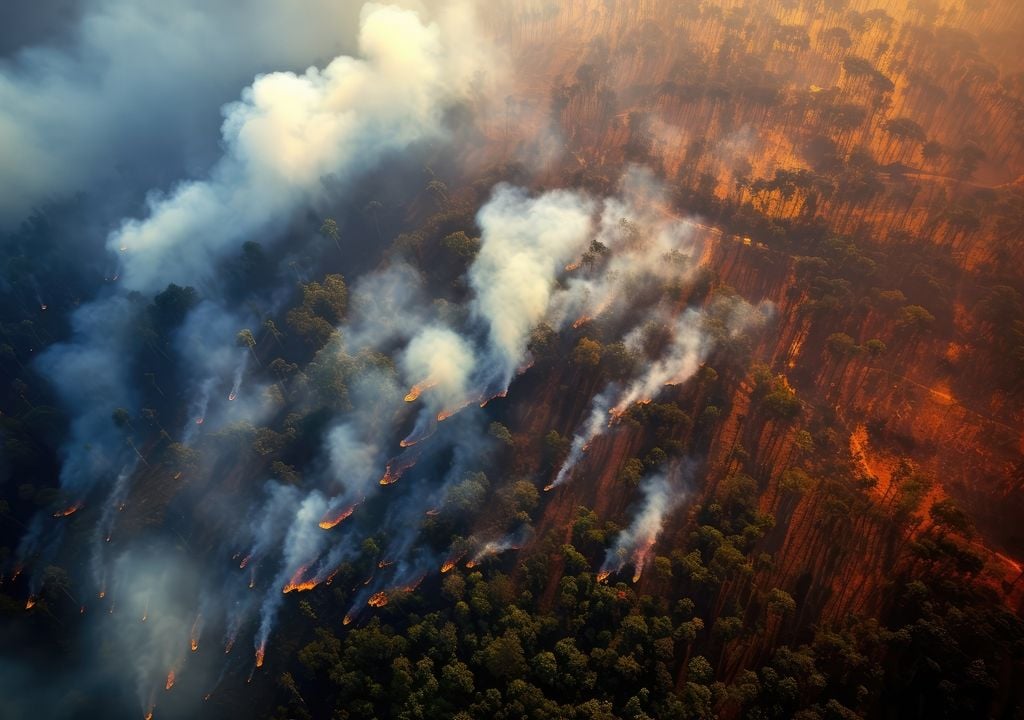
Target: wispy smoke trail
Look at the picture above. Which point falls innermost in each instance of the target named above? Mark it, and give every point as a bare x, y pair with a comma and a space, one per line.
594, 425
661, 496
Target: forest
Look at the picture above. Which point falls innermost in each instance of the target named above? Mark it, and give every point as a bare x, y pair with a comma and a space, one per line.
593, 359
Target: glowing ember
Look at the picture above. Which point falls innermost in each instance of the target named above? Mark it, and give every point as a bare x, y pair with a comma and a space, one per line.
81, 610
170, 680
432, 512
471, 564
260, 651
68, 511
103, 594
347, 620
30, 603
232, 396
418, 389
331, 520
43, 307
177, 475
200, 420
580, 320
227, 647
245, 561
603, 575
572, 266
385, 563
549, 487
377, 600
149, 715
194, 635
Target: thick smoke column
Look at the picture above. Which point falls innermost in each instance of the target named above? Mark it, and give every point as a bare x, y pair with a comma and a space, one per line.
116, 102
525, 244
284, 135
634, 544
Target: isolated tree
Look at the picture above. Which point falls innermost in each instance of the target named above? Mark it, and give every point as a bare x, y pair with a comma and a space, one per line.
329, 229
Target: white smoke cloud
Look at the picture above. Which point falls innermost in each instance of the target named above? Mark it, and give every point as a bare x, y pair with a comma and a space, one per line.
526, 242
287, 132
441, 361
122, 100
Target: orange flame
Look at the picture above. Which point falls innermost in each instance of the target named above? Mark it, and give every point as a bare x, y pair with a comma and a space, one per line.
418, 390
397, 467
149, 715
580, 320
641, 557
347, 620
503, 393
170, 680
549, 487
389, 478
260, 652
378, 600
451, 562
448, 412
329, 521
298, 584
471, 564
30, 603
71, 510
603, 575
572, 266
384, 563
194, 636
